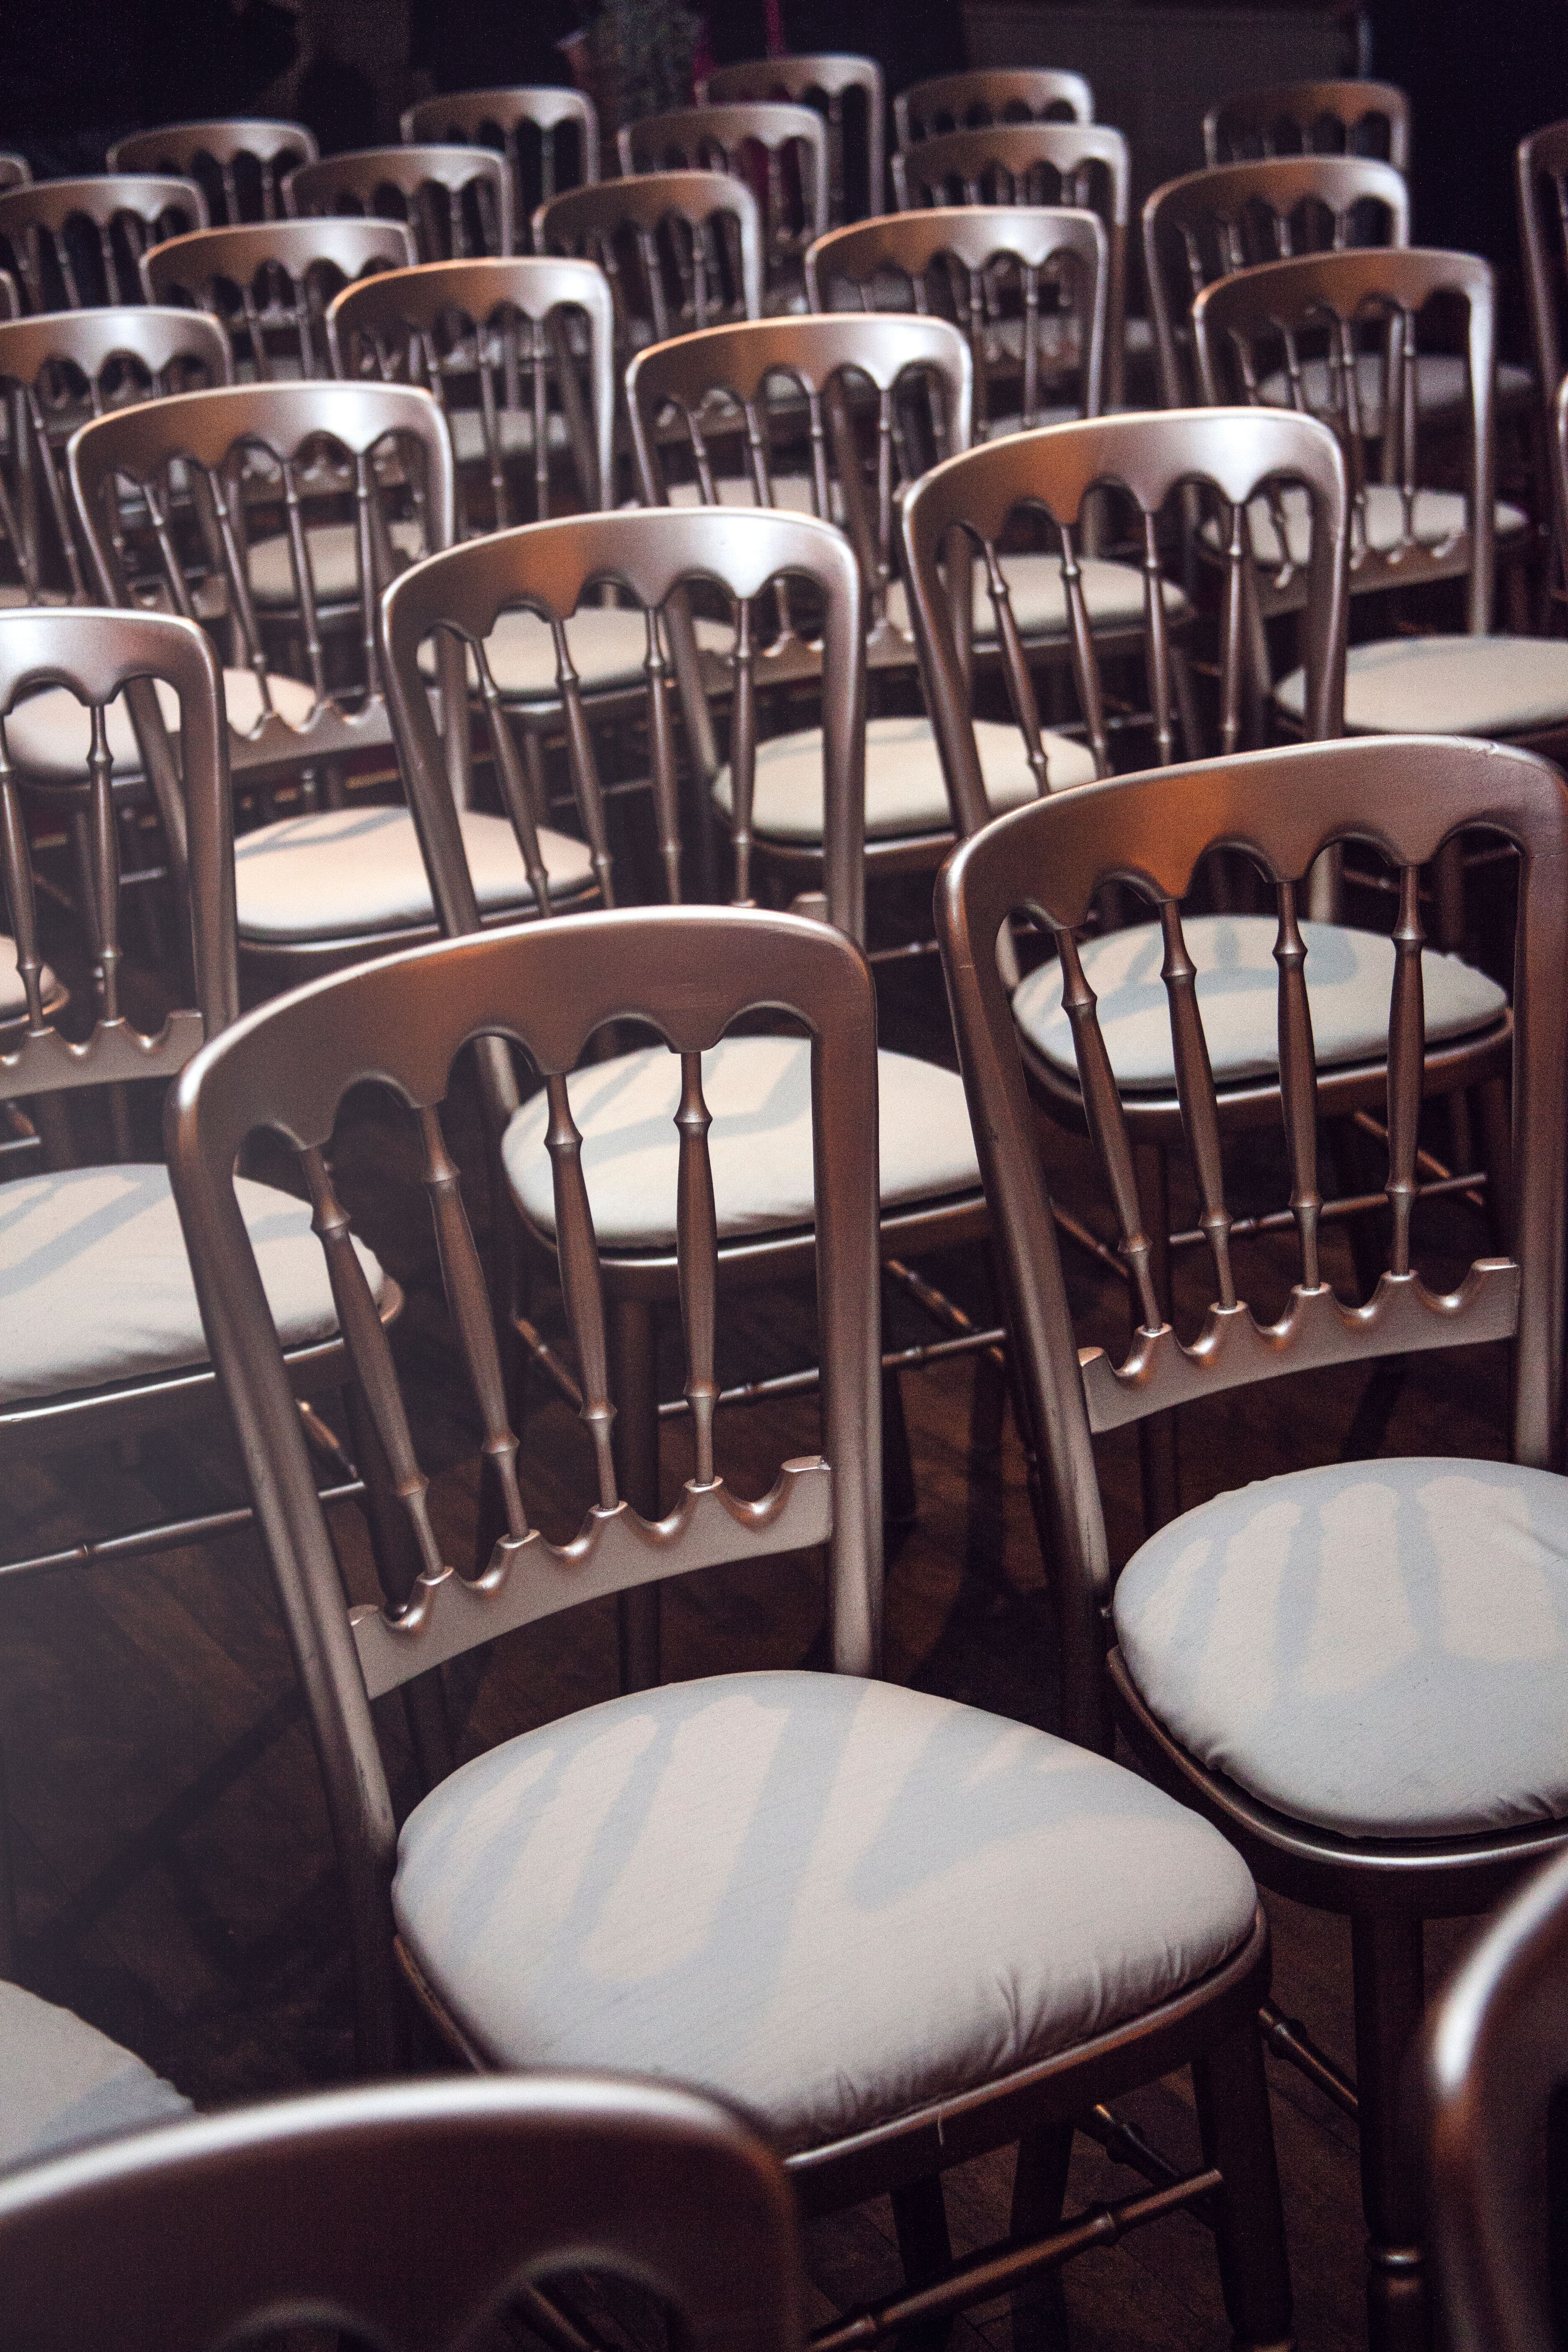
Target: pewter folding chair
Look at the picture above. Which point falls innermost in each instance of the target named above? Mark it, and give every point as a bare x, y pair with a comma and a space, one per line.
793, 196
1294, 117
680, 250
239, 166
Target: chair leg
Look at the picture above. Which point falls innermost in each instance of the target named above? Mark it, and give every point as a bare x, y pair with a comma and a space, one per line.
925, 2249
1387, 1958
1238, 2137
1040, 2185
899, 1505
1157, 1432
635, 1390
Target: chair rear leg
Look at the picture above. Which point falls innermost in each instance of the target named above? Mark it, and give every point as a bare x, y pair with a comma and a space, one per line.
1238, 2137
919, 2219
1387, 1958
1040, 2185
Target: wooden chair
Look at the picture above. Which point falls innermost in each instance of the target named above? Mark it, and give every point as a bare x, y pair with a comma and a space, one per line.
239, 166
1480, 2113
68, 2083
680, 250
417, 2214
1328, 323
1353, 1670
790, 180
830, 78
768, 1983
526, 127
268, 284
959, 102
1291, 118
76, 244
1081, 165
456, 201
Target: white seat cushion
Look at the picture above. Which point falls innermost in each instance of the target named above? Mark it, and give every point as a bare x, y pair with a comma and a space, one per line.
905, 793
1438, 519
830, 1899
340, 872
792, 494
759, 1093
1349, 981
514, 431
1447, 685
1442, 383
1378, 1647
333, 551
608, 644
62, 2081
1113, 595
97, 1287
50, 734
13, 995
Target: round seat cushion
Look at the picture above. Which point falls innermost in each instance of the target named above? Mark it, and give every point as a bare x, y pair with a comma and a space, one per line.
340, 872
1350, 983
905, 789
333, 548
66, 2083
758, 1090
50, 734
1113, 595
1442, 386
608, 644
1447, 685
514, 430
97, 1286
1438, 519
1377, 1647
832, 1900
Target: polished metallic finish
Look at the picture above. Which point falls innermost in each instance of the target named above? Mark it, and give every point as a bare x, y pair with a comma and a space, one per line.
269, 283
275, 148
145, 207
430, 185
706, 137
16, 172
485, 116
1247, 125
680, 250
999, 93
828, 75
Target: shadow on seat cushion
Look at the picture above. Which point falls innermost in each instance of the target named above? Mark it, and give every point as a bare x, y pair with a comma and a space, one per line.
1349, 981
95, 1285
340, 872
50, 734
1447, 685
905, 790
759, 1092
830, 1899
1378, 1647
333, 551
62, 2081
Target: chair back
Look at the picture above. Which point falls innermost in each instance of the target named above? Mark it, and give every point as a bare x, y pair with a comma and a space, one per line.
415, 2214
202, 462
973, 503
1027, 284
781, 150
1479, 2122
59, 370
962, 101
1541, 186
828, 76
16, 172
77, 244
656, 557
269, 283
1208, 224
524, 125
1310, 117
457, 201
488, 339
918, 374
1404, 797
681, 250
159, 664
545, 988
240, 165
1309, 334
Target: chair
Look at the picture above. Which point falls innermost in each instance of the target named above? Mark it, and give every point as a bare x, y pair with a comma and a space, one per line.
526, 125
239, 166
1027, 284
16, 172
790, 180
1362, 307
66, 2084
710, 1891
456, 201
831, 76
413, 2215
1353, 1670
1480, 2113
1081, 165
74, 245
1540, 168
1361, 118
269, 283
957, 101
680, 250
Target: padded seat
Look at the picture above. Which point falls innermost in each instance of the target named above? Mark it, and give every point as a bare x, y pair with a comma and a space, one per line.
62, 2081
1350, 981
333, 551
97, 1287
1377, 1647
829, 1899
608, 644
1437, 518
514, 430
792, 494
758, 1091
1447, 685
905, 793
50, 734
338, 873
1442, 386
13, 995
1112, 594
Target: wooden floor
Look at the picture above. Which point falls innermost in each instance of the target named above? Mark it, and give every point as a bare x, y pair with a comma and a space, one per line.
176, 1875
